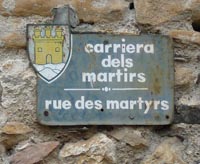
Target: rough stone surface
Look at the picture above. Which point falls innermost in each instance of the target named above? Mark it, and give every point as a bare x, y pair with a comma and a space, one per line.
33, 153
8, 5
191, 99
100, 10
106, 10
15, 128
187, 113
188, 36
14, 40
13, 30
184, 76
27, 8
130, 136
167, 152
98, 149
147, 10
9, 141
3, 118
160, 11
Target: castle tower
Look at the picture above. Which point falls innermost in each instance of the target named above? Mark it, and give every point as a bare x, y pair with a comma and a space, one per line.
48, 32
48, 49
37, 33
59, 33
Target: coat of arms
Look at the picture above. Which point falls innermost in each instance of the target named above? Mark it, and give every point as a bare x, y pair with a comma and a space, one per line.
49, 48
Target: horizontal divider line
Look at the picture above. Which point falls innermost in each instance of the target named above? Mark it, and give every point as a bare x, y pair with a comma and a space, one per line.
127, 89
112, 89
83, 89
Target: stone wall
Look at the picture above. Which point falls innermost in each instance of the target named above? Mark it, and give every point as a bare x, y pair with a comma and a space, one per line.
24, 141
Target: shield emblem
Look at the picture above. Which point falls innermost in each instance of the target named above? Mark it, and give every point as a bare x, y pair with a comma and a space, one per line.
49, 49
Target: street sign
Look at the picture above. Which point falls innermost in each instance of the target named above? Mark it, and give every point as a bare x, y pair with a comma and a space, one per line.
101, 79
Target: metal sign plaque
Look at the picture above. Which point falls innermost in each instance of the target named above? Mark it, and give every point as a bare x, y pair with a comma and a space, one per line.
101, 79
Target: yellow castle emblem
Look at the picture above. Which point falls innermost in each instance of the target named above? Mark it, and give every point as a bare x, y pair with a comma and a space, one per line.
48, 48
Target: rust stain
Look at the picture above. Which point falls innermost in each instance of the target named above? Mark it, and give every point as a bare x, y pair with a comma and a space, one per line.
152, 104
156, 86
156, 117
93, 61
